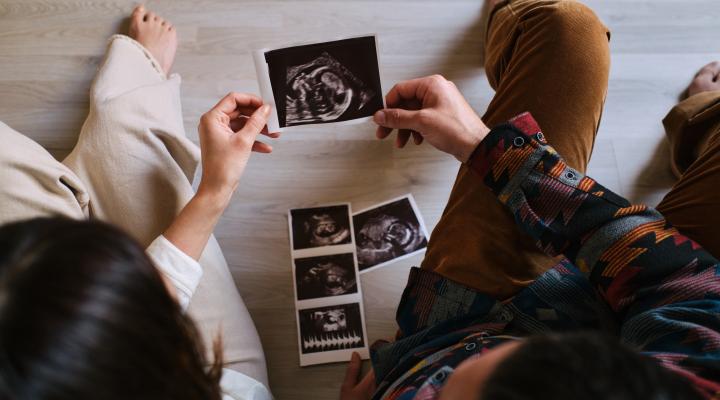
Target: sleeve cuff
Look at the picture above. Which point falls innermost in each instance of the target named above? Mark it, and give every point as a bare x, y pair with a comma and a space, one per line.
505, 150
180, 269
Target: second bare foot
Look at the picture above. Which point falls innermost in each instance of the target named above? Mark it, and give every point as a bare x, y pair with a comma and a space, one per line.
156, 34
708, 79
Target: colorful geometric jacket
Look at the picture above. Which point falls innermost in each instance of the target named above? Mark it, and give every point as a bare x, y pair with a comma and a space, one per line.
626, 270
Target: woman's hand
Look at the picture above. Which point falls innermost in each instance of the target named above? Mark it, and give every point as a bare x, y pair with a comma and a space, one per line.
432, 109
228, 134
354, 388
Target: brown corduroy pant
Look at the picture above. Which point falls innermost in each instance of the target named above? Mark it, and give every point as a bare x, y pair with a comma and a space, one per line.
551, 58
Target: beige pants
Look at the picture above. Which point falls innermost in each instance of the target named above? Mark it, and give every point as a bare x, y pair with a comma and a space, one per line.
132, 167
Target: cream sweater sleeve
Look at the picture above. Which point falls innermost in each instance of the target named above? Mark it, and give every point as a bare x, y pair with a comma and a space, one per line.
180, 269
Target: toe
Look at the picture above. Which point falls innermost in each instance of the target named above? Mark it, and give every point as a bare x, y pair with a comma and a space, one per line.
710, 70
149, 17
138, 13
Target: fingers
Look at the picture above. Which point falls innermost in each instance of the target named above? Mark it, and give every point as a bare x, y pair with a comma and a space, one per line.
352, 374
260, 147
402, 138
256, 122
368, 384
417, 138
710, 71
413, 89
383, 132
238, 101
398, 118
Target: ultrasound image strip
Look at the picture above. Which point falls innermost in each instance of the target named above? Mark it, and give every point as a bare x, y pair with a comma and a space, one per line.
328, 297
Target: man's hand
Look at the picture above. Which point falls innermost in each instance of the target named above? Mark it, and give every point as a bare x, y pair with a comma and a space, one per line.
228, 135
432, 109
353, 388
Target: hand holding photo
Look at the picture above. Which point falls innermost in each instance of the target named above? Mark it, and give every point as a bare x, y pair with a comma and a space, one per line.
320, 83
389, 232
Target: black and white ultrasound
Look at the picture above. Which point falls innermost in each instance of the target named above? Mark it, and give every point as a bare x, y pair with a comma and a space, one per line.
387, 232
325, 82
331, 328
320, 226
325, 276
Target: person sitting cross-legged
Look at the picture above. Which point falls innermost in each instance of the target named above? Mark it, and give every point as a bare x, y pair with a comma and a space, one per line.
539, 282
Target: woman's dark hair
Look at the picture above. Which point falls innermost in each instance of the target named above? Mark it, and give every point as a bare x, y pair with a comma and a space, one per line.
588, 366
85, 315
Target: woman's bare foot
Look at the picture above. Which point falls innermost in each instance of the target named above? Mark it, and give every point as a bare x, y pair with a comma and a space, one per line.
708, 79
156, 34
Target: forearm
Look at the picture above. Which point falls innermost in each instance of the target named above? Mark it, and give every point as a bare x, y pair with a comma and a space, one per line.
630, 252
191, 229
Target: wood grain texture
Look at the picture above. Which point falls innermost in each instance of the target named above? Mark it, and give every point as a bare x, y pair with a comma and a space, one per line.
49, 50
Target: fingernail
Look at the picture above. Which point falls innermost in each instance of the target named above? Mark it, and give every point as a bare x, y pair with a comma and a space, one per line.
380, 117
265, 109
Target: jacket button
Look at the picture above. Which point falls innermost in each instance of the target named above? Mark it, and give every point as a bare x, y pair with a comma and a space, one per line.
540, 137
519, 141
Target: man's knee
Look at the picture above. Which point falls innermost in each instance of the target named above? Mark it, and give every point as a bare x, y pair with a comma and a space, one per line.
572, 20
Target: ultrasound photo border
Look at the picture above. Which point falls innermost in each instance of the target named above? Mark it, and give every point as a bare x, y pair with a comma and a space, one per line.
322, 250
263, 76
421, 221
333, 356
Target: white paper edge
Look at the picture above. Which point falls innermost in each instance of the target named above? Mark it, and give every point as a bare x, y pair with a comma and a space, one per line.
327, 357
263, 76
420, 219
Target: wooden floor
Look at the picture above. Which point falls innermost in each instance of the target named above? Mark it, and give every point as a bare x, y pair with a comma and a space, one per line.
49, 51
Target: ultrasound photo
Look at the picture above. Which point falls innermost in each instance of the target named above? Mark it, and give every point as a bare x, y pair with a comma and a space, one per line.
331, 328
325, 276
321, 226
388, 232
325, 82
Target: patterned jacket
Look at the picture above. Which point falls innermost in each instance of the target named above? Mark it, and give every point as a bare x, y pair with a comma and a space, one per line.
625, 270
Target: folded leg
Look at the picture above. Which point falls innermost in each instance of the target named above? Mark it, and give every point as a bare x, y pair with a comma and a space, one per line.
693, 128
549, 57
138, 165
34, 183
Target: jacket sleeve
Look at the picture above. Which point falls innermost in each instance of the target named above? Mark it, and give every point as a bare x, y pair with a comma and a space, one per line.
662, 287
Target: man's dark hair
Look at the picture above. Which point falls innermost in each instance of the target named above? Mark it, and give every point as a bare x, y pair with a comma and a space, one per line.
586, 366
85, 315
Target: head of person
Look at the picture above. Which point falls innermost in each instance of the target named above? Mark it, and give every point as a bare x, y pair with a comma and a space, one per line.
84, 314
586, 366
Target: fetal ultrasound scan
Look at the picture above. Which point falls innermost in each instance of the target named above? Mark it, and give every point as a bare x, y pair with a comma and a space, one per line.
388, 232
331, 328
320, 226
325, 276
325, 82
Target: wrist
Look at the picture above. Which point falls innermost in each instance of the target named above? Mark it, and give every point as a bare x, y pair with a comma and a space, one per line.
474, 138
213, 199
